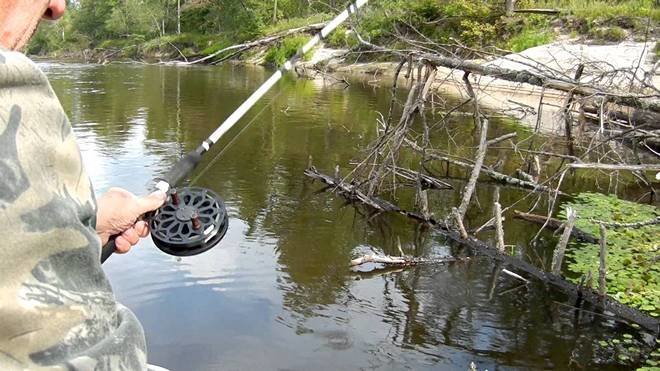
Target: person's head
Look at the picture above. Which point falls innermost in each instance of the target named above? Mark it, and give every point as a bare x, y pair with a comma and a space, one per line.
20, 18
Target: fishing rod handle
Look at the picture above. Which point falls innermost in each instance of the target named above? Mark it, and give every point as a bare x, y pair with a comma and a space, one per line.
108, 249
184, 167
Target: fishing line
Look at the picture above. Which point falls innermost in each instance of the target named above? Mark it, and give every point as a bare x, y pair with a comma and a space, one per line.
233, 140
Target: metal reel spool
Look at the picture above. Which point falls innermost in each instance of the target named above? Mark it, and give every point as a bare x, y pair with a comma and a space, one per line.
192, 221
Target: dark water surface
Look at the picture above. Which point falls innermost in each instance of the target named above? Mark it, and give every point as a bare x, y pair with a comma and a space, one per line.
277, 293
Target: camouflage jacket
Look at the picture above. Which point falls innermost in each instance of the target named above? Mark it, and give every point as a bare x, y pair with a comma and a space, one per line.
57, 310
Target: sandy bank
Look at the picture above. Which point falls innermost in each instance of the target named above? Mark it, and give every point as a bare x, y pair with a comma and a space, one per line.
605, 64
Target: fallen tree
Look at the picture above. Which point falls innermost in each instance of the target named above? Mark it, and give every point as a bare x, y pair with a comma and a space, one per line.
555, 224
643, 102
580, 294
240, 48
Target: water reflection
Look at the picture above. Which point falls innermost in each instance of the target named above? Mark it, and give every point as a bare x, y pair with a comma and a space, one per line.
277, 293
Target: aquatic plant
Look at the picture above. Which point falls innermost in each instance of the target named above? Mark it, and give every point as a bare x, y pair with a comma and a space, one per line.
633, 264
626, 349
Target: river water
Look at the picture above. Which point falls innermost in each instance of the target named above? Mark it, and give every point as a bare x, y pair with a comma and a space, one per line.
277, 292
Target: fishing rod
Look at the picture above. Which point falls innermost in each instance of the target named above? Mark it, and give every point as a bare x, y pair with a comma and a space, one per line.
193, 219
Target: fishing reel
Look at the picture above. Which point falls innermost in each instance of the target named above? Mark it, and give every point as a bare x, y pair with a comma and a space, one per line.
192, 221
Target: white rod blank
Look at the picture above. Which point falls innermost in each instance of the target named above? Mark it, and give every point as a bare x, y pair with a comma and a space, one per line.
288, 65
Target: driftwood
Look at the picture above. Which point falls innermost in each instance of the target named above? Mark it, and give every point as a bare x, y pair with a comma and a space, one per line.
459, 223
261, 42
625, 114
598, 166
479, 248
555, 224
539, 11
351, 192
568, 119
499, 230
532, 78
426, 181
399, 261
378, 169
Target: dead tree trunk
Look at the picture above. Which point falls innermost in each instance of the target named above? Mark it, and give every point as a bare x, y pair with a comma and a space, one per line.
558, 256
509, 7
178, 17
476, 170
602, 269
568, 118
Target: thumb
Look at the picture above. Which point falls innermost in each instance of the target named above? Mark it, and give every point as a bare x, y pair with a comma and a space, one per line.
151, 202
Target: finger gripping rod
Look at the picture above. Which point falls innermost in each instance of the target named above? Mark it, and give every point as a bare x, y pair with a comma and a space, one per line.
187, 163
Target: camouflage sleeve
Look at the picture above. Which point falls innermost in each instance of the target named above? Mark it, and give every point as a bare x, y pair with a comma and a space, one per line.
57, 310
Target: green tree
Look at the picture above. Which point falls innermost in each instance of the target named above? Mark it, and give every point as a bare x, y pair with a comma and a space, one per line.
91, 16
137, 17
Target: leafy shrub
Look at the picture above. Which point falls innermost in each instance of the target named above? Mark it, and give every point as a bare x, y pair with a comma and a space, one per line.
296, 22
286, 49
528, 39
611, 34
633, 272
198, 19
189, 43
57, 36
215, 46
477, 33
342, 38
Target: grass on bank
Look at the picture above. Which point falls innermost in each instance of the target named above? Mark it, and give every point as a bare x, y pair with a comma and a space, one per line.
602, 10
528, 39
284, 50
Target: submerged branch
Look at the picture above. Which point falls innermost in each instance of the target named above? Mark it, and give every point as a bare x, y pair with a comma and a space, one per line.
405, 261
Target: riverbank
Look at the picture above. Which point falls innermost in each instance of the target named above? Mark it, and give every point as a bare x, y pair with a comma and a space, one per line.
620, 65
517, 99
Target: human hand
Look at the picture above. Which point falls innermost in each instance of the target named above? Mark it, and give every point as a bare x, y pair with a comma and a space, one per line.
118, 213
